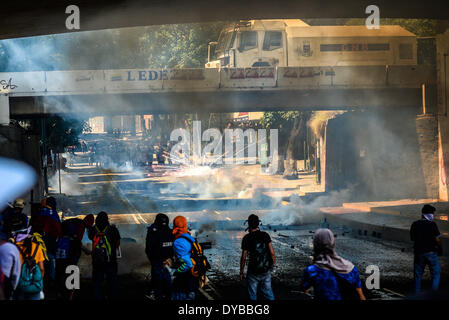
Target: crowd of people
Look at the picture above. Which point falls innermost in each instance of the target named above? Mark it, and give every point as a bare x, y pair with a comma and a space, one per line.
35, 252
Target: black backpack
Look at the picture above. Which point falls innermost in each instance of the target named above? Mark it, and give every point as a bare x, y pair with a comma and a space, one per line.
101, 248
261, 258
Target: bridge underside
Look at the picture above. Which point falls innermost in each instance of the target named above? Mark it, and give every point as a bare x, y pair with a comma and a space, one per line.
222, 101
32, 18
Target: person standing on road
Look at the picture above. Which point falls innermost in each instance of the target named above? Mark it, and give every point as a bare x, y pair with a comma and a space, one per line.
69, 249
10, 266
105, 242
185, 284
159, 248
261, 260
427, 246
331, 276
47, 223
29, 285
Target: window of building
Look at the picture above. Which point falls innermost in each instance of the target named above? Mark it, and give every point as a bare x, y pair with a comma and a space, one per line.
248, 40
272, 40
405, 51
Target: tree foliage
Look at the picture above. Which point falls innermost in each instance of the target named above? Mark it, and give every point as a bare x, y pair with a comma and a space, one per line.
63, 132
165, 46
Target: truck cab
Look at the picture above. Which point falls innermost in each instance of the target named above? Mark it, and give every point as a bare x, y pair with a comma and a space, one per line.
253, 43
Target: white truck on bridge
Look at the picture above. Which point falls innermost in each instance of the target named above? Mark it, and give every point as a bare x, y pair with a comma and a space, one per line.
293, 43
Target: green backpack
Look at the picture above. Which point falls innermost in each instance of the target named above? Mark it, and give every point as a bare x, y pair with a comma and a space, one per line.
30, 280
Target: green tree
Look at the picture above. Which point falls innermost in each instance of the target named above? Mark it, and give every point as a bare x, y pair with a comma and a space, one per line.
291, 124
63, 132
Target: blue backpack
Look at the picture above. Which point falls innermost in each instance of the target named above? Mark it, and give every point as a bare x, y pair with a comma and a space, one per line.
30, 280
63, 247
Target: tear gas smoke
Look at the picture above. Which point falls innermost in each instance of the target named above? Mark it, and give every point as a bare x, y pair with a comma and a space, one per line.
300, 212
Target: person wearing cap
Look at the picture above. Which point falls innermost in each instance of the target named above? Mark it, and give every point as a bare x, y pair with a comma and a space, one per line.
184, 284
427, 246
17, 228
159, 248
16, 208
257, 244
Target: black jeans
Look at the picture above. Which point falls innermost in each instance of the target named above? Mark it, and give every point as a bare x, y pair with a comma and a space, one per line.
99, 272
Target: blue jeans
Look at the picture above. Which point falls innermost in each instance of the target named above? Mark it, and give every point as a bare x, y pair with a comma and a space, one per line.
420, 262
50, 266
183, 296
27, 296
184, 287
264, 280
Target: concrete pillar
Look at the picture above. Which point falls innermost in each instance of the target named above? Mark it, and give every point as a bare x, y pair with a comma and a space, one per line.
108, 124
132, 125
4, 109
442, 60
426, 129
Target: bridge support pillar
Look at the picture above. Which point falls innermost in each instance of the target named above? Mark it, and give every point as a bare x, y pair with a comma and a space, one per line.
4, 109
107, 124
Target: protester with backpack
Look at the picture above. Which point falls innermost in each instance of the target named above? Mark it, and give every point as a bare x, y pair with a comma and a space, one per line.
69, 249
9, 269
74, 229
47, 223
257, 244
185, 282
30, 284
159, 248
331, 276
105, 242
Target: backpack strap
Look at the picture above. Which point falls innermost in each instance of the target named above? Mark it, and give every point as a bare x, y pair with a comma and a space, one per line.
35, 251
195, 244
187, 238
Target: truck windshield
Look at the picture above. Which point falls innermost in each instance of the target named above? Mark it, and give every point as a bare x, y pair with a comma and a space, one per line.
272, 40
248, 40
225, 41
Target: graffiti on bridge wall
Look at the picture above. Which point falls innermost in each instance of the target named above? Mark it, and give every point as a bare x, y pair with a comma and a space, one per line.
5, 85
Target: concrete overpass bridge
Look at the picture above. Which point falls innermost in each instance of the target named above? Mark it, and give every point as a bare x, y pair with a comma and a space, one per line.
137, 91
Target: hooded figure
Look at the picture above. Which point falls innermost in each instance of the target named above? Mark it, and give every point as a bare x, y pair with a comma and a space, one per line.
331, 276
105, 243
324, 255
180, 226
159, 241
184, 284
159, 248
